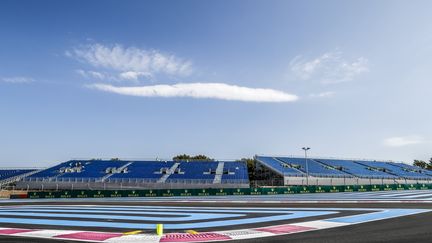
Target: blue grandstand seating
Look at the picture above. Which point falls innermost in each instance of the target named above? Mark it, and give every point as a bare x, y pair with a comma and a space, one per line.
394, 169
94, 169
314, 167
143, 169
291, 166
356, 169
50, 172
6, 174
90, 169
150, 171
235, 171
412, 168
280, 166
196, 170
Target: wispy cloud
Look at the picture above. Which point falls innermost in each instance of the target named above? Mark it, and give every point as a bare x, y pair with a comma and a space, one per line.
331, 67
403, 141
91, 74
109, 76
131, 75
202, 90
17, 80
131, 62
326, 94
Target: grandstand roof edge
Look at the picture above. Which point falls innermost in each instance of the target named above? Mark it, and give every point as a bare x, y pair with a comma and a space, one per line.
329, 157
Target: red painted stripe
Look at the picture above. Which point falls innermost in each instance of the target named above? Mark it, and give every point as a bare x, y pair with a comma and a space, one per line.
185, 237
15, 231
97, 236
284, 229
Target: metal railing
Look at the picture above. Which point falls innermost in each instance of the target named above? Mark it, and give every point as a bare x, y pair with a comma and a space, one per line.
129, 180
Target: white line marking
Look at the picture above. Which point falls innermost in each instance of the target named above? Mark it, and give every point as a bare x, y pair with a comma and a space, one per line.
320, 224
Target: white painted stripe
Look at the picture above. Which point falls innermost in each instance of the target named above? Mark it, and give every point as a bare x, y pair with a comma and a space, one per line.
399, 194
359, 193
245, 234
148, 238
417, 195
321, 224
46, 233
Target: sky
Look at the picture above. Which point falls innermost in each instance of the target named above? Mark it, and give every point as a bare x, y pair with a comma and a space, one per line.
229, 79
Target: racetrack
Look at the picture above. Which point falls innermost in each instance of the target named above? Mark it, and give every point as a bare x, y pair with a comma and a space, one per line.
338, 217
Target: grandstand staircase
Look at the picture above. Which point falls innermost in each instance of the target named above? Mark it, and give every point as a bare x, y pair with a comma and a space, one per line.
118, 169
219, 172
168, 173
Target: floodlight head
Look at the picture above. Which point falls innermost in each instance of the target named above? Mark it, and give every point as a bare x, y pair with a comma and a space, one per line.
305, 148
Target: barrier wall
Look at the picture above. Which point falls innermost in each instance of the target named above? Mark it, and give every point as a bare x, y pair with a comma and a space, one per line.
221, 192
334, 181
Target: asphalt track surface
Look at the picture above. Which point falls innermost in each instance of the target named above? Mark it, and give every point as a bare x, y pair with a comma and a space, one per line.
410, 228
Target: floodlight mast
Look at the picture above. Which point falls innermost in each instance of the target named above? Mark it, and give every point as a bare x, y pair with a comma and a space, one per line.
307, 166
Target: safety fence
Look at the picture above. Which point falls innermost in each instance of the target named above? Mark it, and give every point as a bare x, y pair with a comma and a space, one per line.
218, 192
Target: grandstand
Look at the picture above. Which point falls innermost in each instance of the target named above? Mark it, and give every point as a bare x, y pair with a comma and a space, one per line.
182, 174
317, 171
11, 175
121, 174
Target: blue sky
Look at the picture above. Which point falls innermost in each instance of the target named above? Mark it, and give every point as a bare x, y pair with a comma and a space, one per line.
230, 79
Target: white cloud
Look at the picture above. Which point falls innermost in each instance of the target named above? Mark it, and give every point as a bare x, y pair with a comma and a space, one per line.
330, 67
327, 94
202, 90
131, 60
115, 77
91, 74
17, 80
131, 75
403, 141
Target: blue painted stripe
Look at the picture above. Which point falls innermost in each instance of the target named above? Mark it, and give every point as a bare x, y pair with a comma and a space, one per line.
386, 214
180, 215
161, 209
199, 225
294, 215
108, 215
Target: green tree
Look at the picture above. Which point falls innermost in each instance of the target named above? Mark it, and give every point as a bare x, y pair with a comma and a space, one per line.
182, 157
186, 157
202, 157
420, 163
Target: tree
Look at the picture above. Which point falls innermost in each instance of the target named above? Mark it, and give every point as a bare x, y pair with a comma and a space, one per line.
422, 164
202, 157
186, 157
182, 157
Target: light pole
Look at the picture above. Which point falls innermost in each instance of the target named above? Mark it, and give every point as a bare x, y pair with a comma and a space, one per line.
307, 166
